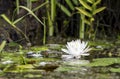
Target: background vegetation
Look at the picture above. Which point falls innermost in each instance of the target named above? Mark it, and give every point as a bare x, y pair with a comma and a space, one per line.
51, 21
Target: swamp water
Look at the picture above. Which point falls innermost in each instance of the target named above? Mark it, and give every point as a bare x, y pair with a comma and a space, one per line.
46, 63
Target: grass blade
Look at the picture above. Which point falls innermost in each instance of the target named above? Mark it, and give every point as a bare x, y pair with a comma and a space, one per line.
2, 45
85, 5
64, 9
32, 14
81, 10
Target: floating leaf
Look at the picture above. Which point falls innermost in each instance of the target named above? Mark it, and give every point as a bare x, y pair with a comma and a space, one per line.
81, 10
28, 66
13, 44
104, 61
85, 5
98, 10
117, 70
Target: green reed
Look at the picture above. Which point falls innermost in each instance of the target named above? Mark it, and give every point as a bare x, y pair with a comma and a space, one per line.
88, 9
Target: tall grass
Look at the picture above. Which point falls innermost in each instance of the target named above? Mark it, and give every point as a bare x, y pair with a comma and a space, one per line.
88, 9
14, 26
51, 15
2, 45
30, 12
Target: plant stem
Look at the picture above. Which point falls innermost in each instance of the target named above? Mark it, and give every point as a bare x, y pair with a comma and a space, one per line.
82, 27
17, 6
44, 37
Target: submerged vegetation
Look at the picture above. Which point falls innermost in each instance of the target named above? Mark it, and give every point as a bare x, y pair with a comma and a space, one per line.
33, 34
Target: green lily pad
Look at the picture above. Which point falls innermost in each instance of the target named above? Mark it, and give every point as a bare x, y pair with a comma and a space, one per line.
39, 48
32, 76
66, 68
104, 61
28, 66
76, 63
115, 70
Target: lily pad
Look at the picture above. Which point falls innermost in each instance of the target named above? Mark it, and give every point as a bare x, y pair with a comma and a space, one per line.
28, 66
76, 62
103, 61
39, 48
54, 46
32, 76
115, 70
64, 68
73, 65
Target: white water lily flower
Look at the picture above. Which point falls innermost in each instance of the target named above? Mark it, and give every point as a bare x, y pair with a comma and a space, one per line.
76, 49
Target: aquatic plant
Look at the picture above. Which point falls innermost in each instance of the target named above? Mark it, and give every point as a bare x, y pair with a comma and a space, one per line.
76, 49
30, 11
87, 11
51, 15
14, 26
32, 54
2, 45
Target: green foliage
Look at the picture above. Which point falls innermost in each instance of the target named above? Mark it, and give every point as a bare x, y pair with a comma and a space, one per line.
89, 9
2, 45
14, 26
40, 6
104, 62
65, 9
70, 4
85, 5
117, 70
98, 10
75, 2
67, 69
31, 12
53, 10
27, 66
13, 44
33, 76
83, 11
51, 15
39, 48
17, 6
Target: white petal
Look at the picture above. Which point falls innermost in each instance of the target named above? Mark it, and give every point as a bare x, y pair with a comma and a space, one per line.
76, 48
67, 57
87, 49
65, 50
85, 54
